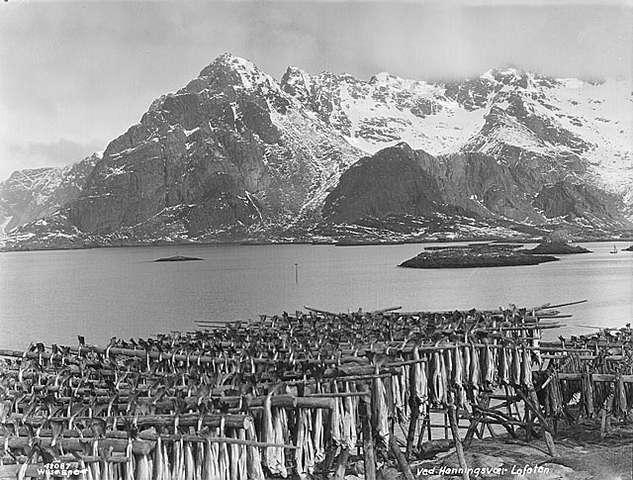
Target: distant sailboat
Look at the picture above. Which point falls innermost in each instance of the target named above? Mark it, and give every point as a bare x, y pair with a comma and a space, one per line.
615, 250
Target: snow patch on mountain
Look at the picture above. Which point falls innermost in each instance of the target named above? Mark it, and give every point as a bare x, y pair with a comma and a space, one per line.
32, 194
601, 114
313, 138
551, 117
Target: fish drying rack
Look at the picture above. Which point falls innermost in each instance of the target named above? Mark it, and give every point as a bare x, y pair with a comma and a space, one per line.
303, 394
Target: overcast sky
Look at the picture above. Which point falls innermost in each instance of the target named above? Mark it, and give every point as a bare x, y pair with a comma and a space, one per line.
75, 75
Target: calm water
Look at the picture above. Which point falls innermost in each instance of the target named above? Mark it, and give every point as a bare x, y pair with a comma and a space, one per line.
53, 296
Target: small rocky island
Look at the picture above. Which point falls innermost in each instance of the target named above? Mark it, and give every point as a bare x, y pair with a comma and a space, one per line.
177, 258
484, 255
550, 247
628, 249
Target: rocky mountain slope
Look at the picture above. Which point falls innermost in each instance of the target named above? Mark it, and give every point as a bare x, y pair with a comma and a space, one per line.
32, 194
236, 155
393, 181
398, 185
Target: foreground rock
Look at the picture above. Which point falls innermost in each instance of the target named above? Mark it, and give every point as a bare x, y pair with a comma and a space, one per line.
177, 258
556, 248
474, 256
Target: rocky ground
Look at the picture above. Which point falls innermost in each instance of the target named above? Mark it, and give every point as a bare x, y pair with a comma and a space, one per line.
582, 455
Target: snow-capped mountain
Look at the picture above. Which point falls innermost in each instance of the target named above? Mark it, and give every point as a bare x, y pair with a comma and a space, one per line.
236, 154
32, 194
586, 125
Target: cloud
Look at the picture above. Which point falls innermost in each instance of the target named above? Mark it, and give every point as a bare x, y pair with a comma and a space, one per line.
45, 154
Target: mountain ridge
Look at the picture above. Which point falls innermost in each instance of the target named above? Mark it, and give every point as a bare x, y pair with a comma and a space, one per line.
236, 154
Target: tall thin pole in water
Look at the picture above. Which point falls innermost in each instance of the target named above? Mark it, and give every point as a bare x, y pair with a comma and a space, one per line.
296, 273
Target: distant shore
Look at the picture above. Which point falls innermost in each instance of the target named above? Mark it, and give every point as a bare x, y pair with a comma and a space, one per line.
332, 242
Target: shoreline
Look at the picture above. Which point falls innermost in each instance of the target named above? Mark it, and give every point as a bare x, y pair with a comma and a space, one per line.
317, 243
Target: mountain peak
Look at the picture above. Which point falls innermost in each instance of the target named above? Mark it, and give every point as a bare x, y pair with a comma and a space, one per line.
505, 74
229, 59
294, 75
229, 69
296, 82
381, 77
518, 77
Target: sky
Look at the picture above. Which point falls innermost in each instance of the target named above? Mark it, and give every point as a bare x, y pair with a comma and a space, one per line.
74, 76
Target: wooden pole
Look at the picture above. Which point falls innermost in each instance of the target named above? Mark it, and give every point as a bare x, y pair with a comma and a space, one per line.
161, 420
549, 439
476, 420
509, 406
446, 427
118, 440
531, 401
330, 456
422, 423
528, 425
459, 448
403, 465
341, 465
414, 405
604, 415
369, 458
141, 447
503, 419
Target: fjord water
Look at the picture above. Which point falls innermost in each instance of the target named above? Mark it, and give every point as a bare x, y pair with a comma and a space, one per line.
52, 296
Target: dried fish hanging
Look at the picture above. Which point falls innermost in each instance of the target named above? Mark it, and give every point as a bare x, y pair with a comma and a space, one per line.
225, 370
143, 471
587, 394
189, 461
554, 405
336, 421
620, 404
458, 379
515, 368
397, 395
348, 409
273, 429
488, 371
475, 373
380, 414
318, 440
420, 381
504, 366
439, 380
526, 369
305, 452
253, 458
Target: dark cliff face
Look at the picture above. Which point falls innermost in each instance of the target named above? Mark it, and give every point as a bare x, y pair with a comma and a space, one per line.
399, 181
479, 183
31, 194
219, 148
391, 182
573, 200
473, 93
